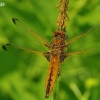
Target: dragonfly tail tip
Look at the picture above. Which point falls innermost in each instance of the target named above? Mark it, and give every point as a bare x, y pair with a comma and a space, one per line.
46, 96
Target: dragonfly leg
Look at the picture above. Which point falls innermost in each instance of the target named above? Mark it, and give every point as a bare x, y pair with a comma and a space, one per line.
47, 45
47, 55
58, 73
62, 57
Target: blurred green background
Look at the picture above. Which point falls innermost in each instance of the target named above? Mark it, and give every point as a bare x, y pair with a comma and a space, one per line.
21, 81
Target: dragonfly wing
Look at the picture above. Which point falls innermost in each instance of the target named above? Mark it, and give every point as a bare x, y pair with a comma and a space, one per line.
31, 57
87, 51
84, 58
35, 39
52, 74
87, 40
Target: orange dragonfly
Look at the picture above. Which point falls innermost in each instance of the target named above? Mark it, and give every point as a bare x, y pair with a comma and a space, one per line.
60, 50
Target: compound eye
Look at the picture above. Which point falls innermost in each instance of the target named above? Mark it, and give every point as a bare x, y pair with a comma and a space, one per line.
63, 35
55, 34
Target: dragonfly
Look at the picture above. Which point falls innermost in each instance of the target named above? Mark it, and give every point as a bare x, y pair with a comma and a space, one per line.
59, 51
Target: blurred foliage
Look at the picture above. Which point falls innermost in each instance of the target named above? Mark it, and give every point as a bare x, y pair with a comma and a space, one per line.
22, 81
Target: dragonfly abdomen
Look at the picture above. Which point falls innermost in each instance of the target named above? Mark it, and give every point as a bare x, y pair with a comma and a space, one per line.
52, 74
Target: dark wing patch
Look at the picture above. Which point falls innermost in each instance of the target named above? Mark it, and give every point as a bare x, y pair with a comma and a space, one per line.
4, 47
14, 20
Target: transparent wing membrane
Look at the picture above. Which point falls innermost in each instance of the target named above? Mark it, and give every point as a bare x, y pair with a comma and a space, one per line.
87, 40
83, 58
34, 38
31, 57
14, 48
88, 51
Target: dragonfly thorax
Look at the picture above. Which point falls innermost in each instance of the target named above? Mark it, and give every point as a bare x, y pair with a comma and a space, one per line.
57, 47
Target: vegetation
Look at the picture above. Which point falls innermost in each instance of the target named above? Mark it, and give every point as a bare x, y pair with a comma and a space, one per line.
25, 79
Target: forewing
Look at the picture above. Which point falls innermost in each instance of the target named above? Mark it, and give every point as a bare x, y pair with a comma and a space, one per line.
87, 40
37, 41
29, 56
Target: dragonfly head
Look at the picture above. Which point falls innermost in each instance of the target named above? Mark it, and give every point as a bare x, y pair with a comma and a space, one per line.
60, 34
